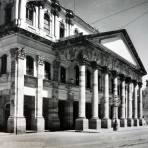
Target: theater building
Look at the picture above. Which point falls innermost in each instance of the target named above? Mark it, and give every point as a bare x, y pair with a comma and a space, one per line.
59, 73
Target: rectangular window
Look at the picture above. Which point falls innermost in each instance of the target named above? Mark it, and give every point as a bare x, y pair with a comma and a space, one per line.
29, 15
63, 75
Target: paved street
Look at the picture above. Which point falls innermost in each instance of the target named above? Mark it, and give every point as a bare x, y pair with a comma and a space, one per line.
131, 137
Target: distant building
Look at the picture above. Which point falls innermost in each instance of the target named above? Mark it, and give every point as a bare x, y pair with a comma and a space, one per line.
57, 72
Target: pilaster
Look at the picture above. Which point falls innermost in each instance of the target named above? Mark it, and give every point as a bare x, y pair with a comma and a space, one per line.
39, 121
22, 13
16, 121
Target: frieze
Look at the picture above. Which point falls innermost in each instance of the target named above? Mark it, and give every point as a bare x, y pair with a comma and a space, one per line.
87, 55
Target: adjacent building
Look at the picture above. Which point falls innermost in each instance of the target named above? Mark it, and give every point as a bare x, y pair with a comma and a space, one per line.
58, 73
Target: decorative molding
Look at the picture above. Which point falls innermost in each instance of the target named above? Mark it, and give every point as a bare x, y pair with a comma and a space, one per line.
18, 53
40, 60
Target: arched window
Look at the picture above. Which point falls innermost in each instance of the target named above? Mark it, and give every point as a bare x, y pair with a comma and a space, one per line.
62, 30
29, 13
47, 22
29, 65
4, 64
77, 75
47, 71
63, 74
88, 79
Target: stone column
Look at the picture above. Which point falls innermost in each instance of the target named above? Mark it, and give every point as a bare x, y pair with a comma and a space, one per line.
22, 12
39, 98
123, 121
106, 122
115, 99
126, 102
16, 121
140, 106
130, 98
136, 121
82, 122
95, 123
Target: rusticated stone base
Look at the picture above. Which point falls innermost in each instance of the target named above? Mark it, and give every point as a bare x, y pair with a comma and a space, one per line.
81, 124
39, 124
130, 122
136, 122
123, 123
142, 122
95, 123
16, 125
106, 123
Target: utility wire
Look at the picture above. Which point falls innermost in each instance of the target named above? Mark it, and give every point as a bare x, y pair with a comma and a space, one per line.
121, 11
134, 20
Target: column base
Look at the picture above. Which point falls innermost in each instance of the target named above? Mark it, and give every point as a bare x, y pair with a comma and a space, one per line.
39, 124
142, 122
136, 122
95, 123
106, 123
81, 124
130, 122
16, 125
123, 123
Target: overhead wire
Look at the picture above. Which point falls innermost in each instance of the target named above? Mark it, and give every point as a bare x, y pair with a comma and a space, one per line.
118, 12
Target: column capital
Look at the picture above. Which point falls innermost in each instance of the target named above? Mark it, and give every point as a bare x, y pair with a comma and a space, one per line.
122, 77
105, 69
94, 65
40, 60
140, 84
128, 80
18, 53
135, 82
114, 73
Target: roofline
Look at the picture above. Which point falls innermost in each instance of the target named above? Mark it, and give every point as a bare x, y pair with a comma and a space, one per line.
125, 34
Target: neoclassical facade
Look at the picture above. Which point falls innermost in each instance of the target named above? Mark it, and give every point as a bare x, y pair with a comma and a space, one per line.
59, 73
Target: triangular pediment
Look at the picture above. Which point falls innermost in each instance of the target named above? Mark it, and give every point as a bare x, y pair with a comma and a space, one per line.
118, 46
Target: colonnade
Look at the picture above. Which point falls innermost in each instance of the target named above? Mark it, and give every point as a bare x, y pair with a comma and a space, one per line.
130, 101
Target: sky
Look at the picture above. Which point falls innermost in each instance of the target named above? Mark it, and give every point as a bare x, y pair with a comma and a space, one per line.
107, 15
